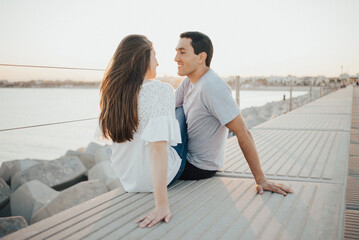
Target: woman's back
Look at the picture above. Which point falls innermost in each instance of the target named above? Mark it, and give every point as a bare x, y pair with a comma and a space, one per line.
157, 122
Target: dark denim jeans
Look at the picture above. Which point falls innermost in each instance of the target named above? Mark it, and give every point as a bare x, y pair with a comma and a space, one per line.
181, 149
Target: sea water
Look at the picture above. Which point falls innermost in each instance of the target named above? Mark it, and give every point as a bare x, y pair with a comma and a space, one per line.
27, 107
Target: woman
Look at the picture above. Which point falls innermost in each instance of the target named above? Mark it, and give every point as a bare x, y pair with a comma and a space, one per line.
138, 116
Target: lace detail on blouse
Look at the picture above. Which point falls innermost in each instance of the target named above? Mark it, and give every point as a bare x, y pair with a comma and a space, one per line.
156, 99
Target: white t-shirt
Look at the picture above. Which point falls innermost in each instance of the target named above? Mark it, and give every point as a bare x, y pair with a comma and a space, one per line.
157, 122
208, 106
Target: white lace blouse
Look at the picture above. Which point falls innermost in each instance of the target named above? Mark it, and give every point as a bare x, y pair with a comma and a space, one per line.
157, 122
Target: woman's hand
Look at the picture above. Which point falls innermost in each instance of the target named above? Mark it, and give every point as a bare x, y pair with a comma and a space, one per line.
273, 187
154, 217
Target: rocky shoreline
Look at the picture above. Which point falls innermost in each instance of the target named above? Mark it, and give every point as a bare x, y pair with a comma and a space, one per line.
32, 190
254, 116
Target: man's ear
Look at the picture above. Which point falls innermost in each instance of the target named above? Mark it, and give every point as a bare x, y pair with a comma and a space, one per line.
202, 57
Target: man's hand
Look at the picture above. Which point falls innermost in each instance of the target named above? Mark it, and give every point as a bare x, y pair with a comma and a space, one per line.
154, 217
273, 187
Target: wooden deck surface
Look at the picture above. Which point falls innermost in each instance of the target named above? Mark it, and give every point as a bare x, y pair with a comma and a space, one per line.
307, 149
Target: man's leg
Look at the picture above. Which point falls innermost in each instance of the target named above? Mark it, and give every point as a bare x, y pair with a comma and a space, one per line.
192, 172
187, 170
181, 149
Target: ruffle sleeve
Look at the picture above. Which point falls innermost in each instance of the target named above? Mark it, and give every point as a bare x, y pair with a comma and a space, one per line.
98, 136
162, 128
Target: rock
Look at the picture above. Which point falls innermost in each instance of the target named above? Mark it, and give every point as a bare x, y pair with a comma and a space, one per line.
58, 174
5, 170
11, 224
254, 116
114, 184
4, 193
102, 171
70, 197
103, 154
93, 147
30, 197
86, 158
81, 149
10, 168
5, 211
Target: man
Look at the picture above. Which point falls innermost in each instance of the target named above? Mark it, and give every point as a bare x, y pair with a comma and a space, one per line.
210, 111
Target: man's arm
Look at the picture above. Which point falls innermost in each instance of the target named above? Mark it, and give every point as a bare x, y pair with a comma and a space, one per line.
247, 145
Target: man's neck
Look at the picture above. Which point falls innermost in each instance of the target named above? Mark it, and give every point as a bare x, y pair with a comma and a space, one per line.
195, 76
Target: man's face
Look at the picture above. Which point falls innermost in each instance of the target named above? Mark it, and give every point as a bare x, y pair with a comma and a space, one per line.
187, 60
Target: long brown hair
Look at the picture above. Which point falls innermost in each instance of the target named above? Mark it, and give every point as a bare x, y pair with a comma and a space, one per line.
120, 88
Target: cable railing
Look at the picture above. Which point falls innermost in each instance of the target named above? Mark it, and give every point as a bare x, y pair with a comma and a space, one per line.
323, 91
49, 67
47, 124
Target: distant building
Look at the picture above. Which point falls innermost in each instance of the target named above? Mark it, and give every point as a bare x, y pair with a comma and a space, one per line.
334, 80
353, 79
344, 77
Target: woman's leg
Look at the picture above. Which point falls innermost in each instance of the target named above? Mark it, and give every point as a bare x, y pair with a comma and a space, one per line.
181, 149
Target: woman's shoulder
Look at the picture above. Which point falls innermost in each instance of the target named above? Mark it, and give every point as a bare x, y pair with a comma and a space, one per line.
160, 84
157, 86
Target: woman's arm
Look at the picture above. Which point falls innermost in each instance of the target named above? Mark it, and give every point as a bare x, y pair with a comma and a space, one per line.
159, 162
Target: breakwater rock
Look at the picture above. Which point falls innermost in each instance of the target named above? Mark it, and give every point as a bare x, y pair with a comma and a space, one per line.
254, 116
32, 189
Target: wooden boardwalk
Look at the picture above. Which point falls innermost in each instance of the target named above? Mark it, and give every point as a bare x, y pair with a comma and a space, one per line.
307, 149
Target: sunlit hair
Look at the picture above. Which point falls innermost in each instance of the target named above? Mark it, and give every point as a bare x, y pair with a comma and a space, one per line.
200, 43
120, 88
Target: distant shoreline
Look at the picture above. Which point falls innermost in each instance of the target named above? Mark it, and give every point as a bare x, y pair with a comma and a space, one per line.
259, 88
64, 87
277, 88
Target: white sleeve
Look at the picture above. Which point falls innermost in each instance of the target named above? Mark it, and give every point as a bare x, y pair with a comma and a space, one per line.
98, 136
162, 125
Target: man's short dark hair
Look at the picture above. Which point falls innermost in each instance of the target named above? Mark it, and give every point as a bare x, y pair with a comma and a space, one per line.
200, 43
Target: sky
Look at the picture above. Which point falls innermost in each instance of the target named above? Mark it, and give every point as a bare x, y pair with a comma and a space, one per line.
250, 37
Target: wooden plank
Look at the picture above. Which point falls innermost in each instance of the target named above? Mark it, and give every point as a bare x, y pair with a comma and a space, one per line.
314, 122
232, 212
302, 155
352, 197
351, 224
235, 160
211, 209
354, 166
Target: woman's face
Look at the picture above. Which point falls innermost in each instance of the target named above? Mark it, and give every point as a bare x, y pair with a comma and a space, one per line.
151, 71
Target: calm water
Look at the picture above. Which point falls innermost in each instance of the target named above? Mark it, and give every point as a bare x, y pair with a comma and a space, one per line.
33, 106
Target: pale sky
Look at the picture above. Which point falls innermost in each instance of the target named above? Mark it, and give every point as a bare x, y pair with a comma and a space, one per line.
250, 38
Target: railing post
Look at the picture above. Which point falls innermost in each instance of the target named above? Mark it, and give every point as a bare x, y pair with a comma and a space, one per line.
237, 84
310, 90
290, 95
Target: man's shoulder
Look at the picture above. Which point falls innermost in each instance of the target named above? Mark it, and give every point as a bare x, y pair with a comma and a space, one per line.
185, 82
184, 86
213, 82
